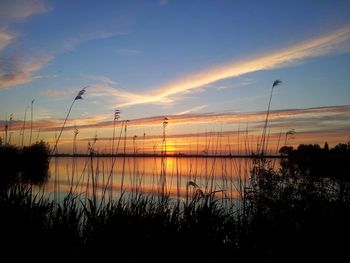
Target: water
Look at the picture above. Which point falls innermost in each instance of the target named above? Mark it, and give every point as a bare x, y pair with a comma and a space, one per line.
178, 177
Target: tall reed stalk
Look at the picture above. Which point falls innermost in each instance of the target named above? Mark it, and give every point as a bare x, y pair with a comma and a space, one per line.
163, 160
290, 132
78, 97
24, 125
54, 150
116, 118
74, 161
114, 158
124, 155
31, 122
10, 128
263, 144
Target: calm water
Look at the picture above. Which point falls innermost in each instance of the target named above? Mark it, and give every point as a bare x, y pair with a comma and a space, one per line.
179, 177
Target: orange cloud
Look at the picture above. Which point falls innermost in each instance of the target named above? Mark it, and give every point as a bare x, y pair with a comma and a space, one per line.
13, 71
313, 125
278, 118
337, 41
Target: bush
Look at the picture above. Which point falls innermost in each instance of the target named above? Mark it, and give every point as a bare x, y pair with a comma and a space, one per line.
35, 163
29, 164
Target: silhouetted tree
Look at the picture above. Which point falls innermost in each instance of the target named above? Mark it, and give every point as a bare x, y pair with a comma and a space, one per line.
326, 147
35, 163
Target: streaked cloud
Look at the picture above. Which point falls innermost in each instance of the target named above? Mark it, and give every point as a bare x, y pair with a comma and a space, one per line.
5, 38
312, 125
194, 109
17, 70
318, 117
12, 11
15, 10
72, 43
335, 42
103, 79
58, 93
243, 82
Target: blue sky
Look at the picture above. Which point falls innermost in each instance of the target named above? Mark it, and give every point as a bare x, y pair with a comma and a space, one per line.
153, 58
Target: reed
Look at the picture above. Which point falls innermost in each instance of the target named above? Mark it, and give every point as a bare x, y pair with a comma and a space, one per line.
263, 144
31, 122
275, 209
78, 97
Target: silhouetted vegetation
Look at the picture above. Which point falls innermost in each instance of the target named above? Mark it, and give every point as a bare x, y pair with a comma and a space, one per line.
312, 160
300, 212
293, 216
286, 216
9, 168
28, 164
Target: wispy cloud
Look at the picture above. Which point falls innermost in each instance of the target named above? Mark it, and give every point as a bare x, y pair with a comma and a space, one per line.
243, 82
5, 38
305, 119
313, 125
72, 43
109, 90
14, 10
59, 93
103, 79
194, 109
334, 42
15, 71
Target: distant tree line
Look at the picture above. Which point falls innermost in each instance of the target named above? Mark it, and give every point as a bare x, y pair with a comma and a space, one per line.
315, 161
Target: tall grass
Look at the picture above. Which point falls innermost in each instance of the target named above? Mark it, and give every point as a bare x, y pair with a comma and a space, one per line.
220, 210
78, 97
280, 214
263, 144
31, 122
24, 125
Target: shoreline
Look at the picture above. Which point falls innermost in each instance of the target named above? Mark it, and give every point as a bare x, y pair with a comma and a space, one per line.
168, 156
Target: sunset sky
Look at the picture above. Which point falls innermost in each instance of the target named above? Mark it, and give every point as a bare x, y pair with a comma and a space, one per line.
207, 66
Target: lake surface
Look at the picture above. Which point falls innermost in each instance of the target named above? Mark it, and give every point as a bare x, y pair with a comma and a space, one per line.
178, 177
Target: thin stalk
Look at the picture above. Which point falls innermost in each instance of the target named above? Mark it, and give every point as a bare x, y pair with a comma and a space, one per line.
31, 122
263, 136
78, 97
24, 125
123, 171
64, 123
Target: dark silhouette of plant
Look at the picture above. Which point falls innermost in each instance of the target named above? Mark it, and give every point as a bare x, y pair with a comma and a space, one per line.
78, 97
124, 155
24, 125
9, 165
288, 133
29, 164
263, 136
312, 160
290, 211
31, 122
10, 128
163, 160
35, 163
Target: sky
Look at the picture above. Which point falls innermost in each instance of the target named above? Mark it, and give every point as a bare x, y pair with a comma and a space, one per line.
208, 66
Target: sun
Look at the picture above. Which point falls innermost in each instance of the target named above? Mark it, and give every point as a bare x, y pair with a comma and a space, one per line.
171, 147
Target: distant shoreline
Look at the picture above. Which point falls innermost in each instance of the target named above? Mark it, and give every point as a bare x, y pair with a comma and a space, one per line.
168, 155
